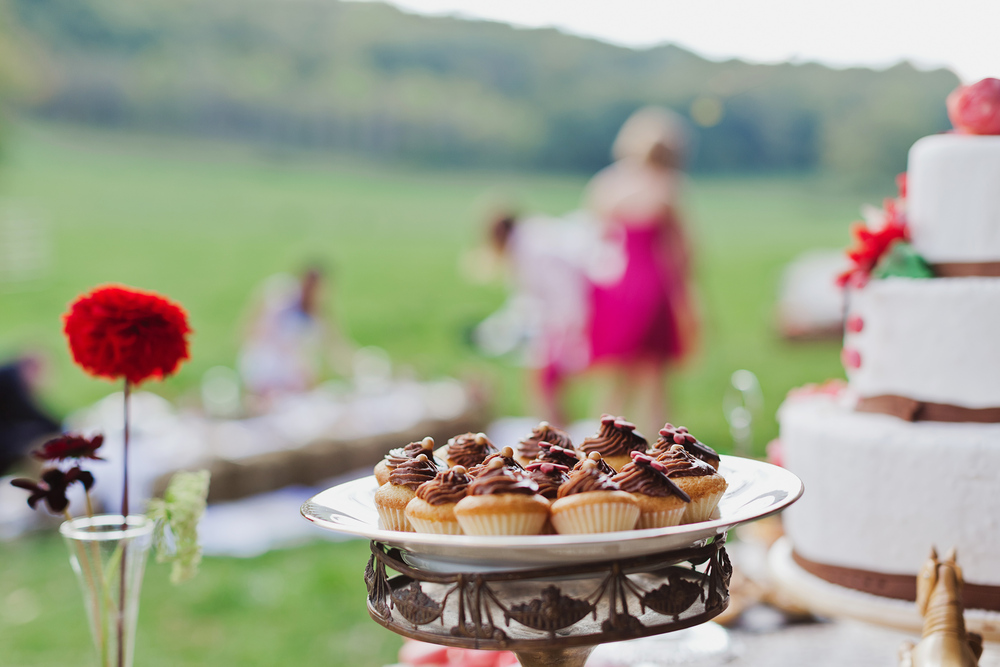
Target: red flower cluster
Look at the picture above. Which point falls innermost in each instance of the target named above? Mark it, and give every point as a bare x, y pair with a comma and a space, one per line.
119, 332
70, 447
870, 245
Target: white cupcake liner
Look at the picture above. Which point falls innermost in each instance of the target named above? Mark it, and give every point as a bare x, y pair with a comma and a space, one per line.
701, 509
435, 527
503, 524
595, 518
661, 519
393, 519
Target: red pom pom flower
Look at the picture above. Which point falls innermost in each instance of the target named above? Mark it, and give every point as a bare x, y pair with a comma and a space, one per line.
119, 332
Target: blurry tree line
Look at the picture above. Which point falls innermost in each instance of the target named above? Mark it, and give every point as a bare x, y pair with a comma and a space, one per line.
369, 79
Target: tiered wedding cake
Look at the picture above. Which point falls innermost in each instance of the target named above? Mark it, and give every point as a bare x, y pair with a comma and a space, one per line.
907, 455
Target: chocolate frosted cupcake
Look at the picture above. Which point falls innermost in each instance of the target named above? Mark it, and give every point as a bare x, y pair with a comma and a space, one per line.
433, 510
695, 478
392, 497
590, 502
602, 465
661, 502
502, 502
528, 448
615, 441
549, 453
549, 477
400, 454
671, 435
467, 450
506, 455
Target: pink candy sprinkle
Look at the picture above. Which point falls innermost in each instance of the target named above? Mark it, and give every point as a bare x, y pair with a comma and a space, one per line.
851, 358
855, 324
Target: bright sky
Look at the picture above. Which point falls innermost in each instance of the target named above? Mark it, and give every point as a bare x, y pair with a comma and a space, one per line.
961, 34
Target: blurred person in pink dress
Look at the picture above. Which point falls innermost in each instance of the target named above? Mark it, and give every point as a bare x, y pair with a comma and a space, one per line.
642, 321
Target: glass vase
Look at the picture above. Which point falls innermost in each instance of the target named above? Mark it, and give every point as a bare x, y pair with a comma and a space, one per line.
109, 557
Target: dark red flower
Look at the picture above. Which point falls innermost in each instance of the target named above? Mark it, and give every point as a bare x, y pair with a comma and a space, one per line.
870, 245
70, 447
119, 332
52, 487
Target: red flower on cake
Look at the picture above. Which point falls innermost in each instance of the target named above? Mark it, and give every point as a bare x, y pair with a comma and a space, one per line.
975, 109
871, 244
119, 332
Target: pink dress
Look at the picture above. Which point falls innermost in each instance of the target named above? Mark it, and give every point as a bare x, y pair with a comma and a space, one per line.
641, 317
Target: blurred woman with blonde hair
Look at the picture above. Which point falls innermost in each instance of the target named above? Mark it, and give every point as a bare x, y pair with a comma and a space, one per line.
642, 320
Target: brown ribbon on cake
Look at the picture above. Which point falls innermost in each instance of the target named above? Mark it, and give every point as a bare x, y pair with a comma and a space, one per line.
915, 411
896, 586
966, 269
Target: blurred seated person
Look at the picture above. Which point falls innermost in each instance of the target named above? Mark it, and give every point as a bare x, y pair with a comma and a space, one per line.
289, 340
23, 422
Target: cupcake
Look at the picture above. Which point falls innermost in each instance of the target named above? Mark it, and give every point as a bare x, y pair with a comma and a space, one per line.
661, 502
392, 497
506, 455
549, 477
602, 465
528, 449
590, 502
671, 435
433, 510
400, 454
615, 441
502, 502
549, 453
466, 450
697, 479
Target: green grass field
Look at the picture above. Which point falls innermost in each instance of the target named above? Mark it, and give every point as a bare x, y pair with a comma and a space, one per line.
205, 222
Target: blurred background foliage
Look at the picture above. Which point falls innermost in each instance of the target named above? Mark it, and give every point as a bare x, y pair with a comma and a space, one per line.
367, 79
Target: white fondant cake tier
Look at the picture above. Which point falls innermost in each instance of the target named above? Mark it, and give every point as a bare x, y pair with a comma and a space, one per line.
880, 491
935, 340
953, 198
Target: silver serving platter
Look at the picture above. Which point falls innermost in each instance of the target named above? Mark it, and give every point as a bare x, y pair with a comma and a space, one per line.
756, 490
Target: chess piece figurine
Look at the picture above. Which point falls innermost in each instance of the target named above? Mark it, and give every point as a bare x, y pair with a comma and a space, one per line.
944, 641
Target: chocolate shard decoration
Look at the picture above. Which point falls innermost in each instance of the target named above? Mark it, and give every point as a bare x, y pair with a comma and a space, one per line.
553, 611
675, 597
414, 605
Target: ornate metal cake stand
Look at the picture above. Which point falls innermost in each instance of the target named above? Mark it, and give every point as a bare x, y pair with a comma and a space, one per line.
554, 615
552, 598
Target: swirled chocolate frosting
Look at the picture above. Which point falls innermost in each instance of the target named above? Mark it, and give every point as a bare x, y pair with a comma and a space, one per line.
549, 477
411, 451
448, 486
644, 475
679, 463
498, 479
602, 465
586, 479
616, 437
506, 455
671, 435
413, 472
549, 453
528, 446
469, 449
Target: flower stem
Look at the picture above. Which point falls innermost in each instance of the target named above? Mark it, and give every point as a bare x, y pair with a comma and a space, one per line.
124, 573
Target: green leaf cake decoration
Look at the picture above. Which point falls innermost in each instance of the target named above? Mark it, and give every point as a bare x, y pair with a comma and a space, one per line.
902, 261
